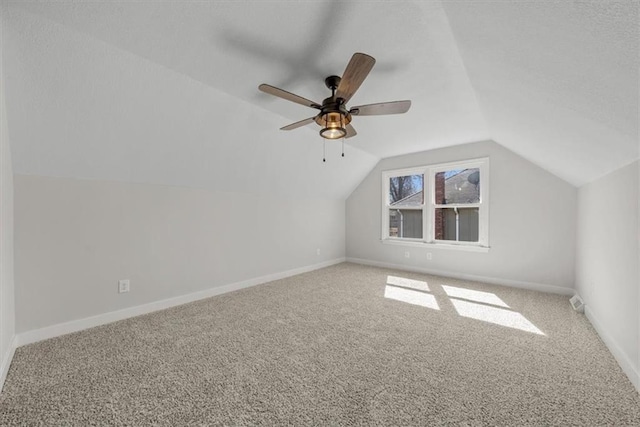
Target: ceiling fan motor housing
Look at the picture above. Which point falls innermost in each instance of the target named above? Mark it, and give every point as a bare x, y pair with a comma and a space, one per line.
333, 114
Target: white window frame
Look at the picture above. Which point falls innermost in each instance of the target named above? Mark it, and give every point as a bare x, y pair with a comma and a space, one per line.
386, 206
429, 206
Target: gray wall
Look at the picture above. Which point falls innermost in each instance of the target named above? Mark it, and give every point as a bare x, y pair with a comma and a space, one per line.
607, 274
531, 221
76, 238
7, 312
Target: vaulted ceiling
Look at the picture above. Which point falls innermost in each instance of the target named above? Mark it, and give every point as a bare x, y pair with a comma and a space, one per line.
166, 92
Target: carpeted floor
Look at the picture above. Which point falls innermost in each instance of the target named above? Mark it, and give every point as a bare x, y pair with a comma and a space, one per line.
328, 348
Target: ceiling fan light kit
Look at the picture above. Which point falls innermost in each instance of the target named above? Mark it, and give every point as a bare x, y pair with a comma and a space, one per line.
333, 131
334, 118
333, 115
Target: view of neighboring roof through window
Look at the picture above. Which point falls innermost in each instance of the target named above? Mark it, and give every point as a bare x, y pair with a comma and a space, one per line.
437, 204
406, 198
454, 188
460, 186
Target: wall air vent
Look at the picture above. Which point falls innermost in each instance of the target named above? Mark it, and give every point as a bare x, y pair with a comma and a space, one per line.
577, 303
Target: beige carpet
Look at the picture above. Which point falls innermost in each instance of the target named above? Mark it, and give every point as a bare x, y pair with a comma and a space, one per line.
328, 348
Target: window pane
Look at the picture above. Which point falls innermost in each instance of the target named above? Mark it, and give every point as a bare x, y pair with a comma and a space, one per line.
405, 223
457, 186
457, 224
406, 190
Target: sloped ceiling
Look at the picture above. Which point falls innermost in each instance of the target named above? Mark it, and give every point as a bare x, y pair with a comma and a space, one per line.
557, 81
166, 92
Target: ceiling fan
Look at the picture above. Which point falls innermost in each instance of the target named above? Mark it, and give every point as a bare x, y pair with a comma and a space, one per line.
334, 117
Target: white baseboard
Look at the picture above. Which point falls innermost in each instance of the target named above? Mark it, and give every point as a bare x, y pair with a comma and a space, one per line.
496, 281
6, 361
622, 359
35, 335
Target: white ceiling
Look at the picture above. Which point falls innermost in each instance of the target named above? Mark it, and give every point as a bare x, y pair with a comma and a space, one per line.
166, 92
557, 81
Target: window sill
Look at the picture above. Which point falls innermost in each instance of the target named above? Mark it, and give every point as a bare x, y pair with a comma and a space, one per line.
421, 244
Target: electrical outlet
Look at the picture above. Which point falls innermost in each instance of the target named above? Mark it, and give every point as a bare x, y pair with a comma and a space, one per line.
318, 251
407, 254
429, 257
124, 285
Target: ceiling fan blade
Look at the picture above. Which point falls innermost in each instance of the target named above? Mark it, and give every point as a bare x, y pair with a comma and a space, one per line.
298, 124
280, 93
350, 131
381, 108
357, 70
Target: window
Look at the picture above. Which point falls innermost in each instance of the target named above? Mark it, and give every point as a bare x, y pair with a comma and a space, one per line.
406, 206
443, 204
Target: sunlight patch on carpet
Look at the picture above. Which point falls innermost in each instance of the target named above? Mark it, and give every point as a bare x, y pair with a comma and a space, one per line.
411, 297
408, 283
477, 296
495, 315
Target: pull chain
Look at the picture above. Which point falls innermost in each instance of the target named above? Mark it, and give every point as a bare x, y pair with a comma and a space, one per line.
324, 141
324, 150
342, 125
